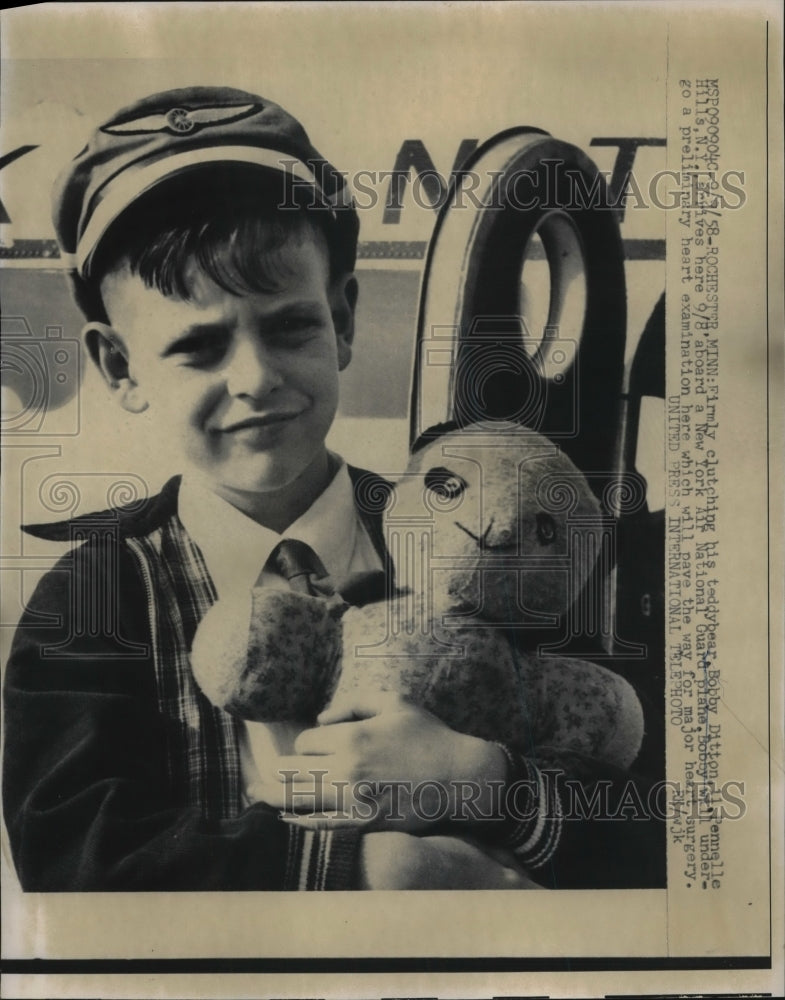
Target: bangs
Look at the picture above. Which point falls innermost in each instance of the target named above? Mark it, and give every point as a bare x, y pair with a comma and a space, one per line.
226, 223
241, 256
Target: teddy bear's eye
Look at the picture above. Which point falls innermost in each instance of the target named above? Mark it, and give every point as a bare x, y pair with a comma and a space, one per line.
546, 529
445, 484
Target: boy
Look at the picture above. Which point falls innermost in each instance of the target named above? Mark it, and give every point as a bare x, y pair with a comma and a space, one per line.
212, 252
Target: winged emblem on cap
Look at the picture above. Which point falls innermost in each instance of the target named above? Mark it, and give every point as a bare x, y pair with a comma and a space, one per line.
182, 121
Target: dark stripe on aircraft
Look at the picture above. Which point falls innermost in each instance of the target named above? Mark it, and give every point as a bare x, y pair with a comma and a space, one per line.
368, 250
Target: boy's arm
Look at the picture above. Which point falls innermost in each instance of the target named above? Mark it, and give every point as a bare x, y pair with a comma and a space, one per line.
573, 821
86, 796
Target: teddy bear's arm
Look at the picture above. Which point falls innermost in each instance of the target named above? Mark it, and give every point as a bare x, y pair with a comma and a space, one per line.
267, 655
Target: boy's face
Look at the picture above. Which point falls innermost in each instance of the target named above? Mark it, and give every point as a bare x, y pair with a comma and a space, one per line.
246, 384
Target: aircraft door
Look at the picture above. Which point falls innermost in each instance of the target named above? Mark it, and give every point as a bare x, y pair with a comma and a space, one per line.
522, 308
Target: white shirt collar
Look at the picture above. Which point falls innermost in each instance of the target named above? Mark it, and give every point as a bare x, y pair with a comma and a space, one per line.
235, 547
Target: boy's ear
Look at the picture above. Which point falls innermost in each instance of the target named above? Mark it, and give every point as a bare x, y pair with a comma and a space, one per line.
110, 357
343, 301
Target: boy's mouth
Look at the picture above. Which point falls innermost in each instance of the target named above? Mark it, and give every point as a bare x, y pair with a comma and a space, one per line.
261, 420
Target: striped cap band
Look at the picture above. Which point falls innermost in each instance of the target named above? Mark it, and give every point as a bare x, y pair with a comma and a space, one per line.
124, 189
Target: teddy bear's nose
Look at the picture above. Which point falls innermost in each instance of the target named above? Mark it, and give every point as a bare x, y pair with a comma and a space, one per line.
497, 536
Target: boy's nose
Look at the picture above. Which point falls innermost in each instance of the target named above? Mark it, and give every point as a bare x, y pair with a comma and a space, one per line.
252, 370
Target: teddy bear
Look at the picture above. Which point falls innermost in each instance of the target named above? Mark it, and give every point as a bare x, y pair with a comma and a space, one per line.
493, 533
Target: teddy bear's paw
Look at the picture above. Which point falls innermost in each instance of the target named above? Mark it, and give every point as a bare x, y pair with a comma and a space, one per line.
623, 742
590, 710
220, 648
267, 655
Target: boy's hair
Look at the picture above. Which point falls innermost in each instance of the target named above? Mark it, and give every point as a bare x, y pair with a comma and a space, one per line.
230, 221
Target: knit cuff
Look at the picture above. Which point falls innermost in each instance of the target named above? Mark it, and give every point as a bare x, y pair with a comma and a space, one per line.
533, 819
322, 860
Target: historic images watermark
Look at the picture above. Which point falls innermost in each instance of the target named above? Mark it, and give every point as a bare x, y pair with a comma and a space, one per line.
555, 185
385, 802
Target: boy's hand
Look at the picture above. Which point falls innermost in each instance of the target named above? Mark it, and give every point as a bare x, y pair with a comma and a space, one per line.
380, 762
401, 861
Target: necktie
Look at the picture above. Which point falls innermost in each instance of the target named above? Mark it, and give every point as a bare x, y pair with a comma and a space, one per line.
297, 563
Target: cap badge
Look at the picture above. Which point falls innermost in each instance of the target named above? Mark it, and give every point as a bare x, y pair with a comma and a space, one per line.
181, 121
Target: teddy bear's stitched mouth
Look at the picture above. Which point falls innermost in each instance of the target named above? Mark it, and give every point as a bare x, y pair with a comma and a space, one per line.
482, 540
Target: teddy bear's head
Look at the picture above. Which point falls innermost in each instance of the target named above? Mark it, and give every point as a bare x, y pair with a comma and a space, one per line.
510, 524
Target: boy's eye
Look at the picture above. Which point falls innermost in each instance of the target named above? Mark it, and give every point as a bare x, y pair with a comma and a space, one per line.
299, 322
297, 327
203, 349
445, 484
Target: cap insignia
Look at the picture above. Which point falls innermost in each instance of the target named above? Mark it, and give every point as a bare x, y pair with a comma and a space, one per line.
182, 121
